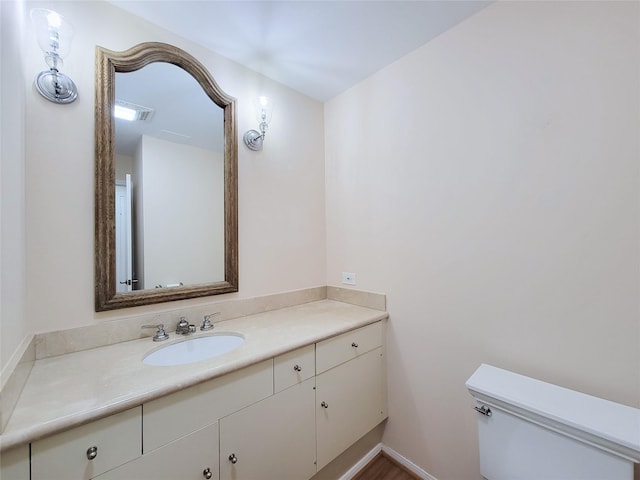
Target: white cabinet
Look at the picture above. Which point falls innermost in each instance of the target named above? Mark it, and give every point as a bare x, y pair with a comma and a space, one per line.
349, 345
273, 439
193, 457
294, 367
173, 416
351, 398
14, 464
283, 418
87, 451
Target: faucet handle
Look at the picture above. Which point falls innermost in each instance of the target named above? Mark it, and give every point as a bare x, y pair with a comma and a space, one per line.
160, 333
206, 323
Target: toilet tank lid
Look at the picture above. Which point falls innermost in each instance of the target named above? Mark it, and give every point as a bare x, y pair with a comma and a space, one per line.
609, 425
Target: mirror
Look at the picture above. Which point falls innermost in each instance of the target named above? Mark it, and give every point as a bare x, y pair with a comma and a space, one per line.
166, 182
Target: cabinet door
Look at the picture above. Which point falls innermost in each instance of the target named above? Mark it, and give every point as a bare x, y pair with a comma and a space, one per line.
271, 440
87, 451
14, 464
350, 400
194, 457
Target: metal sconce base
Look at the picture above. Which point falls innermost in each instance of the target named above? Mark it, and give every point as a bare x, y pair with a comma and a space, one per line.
56, 87
253, 140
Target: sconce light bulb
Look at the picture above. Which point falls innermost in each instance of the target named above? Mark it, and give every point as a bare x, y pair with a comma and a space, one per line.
54, 20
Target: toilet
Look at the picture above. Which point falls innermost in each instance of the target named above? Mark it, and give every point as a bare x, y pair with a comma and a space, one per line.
533, 430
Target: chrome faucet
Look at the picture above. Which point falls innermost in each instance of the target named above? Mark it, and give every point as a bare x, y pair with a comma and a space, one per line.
206, 323
160, 333
183, 327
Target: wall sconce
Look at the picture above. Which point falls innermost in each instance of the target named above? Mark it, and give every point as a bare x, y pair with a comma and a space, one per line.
54, 38
254, 139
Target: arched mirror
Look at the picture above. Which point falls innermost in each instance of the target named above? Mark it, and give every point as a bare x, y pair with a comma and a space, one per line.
166, 179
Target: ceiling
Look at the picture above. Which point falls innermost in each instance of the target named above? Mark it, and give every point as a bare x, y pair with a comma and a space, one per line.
319, 48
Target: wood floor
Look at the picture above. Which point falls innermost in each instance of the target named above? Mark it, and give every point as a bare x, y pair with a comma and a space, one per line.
384, 468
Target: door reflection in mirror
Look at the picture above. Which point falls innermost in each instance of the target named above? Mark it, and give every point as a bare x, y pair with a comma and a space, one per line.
124, 236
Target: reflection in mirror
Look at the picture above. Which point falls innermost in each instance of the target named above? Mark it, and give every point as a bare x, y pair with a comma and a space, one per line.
169, 180
166, 185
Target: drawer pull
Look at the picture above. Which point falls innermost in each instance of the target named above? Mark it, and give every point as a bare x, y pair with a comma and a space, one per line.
324, 405
354, 345
92, 452
233, 459
206, 473
297, 368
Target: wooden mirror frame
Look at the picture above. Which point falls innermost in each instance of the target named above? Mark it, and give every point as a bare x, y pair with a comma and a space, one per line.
107, 64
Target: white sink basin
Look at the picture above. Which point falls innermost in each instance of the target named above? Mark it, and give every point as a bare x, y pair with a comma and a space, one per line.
194, 349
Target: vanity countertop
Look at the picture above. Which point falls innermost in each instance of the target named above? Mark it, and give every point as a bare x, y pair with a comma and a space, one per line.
69, 390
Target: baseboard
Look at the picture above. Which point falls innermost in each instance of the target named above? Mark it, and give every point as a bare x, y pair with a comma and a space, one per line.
408, 464
364, 461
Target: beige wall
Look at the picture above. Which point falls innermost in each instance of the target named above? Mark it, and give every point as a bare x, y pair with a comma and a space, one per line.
13, 327
281, 190
488, 183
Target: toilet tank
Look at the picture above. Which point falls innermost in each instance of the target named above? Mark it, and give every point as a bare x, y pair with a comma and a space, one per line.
533, 430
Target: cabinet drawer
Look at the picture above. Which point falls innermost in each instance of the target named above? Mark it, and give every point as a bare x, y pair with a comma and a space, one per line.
188, 458
294, 367
118, 439
349, 345
173, 416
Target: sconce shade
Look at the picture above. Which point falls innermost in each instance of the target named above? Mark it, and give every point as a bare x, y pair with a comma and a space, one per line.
264, 109
54, 35
53, 32
254, 139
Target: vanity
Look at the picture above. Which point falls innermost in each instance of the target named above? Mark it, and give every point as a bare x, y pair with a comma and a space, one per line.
307, 383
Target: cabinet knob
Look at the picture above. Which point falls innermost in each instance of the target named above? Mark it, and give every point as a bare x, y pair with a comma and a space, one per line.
297, 368
92, 452
206, 473
233, 459
324, 405
354, 345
